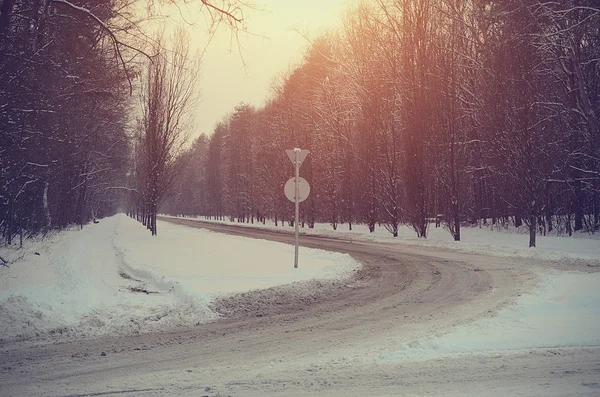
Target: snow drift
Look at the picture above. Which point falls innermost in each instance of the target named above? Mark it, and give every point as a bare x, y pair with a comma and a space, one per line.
114, 278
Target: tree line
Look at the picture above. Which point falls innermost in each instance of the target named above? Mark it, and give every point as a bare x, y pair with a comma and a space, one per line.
472, 111
92, 108
64, 148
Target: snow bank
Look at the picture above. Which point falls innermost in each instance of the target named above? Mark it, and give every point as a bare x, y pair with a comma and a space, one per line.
114, 278
563, 311
493, 241
199, 261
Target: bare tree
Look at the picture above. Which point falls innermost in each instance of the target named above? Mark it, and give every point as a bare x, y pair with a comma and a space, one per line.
167, 99
473, 109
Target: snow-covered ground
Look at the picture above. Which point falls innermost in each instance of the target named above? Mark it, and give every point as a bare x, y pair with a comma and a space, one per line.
446, 323
115, 278
497, 241
563, 311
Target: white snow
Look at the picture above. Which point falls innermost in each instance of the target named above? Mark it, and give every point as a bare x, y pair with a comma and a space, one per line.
563, 311
497, 241
81, 283
203, 262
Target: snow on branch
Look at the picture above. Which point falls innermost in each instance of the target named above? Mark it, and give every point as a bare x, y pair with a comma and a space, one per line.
129, 189
585, 171
86, 12
34, 111
37, 165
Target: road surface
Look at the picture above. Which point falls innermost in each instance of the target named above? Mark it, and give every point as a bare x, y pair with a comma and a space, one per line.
325, 341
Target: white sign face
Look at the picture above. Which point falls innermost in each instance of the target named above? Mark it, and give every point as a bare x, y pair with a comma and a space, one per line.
290, 189
301, 156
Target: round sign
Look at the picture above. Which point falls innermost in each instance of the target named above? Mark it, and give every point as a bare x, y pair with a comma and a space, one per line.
290, 189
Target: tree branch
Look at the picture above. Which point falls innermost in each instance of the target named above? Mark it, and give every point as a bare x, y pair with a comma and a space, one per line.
86, 12
229, 14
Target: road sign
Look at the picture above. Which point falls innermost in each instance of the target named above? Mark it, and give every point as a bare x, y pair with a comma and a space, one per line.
301, 155
297, 190
290, 189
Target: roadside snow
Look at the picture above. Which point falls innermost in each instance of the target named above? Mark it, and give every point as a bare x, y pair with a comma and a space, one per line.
114, 278
200, 262
508, 242
563, 311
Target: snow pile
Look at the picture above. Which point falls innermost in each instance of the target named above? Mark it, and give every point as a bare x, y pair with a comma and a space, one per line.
563, 311
493, 241
114, 278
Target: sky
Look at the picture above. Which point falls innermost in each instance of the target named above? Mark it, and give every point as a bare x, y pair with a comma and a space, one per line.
271, 47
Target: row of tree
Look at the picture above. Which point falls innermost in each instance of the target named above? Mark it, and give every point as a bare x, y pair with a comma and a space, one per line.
72, 141
474, 110
64, 95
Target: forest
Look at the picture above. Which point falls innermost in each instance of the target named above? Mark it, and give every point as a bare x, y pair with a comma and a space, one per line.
466, 111
63, 106
92, 106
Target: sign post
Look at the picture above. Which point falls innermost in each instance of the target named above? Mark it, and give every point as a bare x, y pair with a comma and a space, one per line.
301, 190
297, 205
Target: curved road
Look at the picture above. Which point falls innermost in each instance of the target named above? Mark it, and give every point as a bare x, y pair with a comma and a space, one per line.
331, 339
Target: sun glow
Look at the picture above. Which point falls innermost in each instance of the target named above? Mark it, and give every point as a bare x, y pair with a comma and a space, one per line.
243, 70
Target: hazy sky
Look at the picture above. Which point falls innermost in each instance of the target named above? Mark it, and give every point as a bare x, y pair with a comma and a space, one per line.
271, 48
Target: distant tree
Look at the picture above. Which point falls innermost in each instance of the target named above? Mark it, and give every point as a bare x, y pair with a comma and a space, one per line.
190, 190
215, 173
475, 110
238, 163
452, 100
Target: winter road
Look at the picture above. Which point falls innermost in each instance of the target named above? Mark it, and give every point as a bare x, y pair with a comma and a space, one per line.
326, 341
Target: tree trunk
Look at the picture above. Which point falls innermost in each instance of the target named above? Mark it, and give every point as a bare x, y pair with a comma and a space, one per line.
578, 206
532, 227
46, 206
371, 226
596, 212
456, 228
423, 231
82, 202
548, 209
10, 219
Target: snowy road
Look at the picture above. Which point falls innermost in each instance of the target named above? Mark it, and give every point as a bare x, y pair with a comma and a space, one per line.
344, 342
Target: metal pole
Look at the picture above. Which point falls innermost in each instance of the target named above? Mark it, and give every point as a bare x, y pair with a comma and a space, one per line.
297, 202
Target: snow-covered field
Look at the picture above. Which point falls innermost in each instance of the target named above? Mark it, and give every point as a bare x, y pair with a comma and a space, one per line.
115, 278
497, 241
